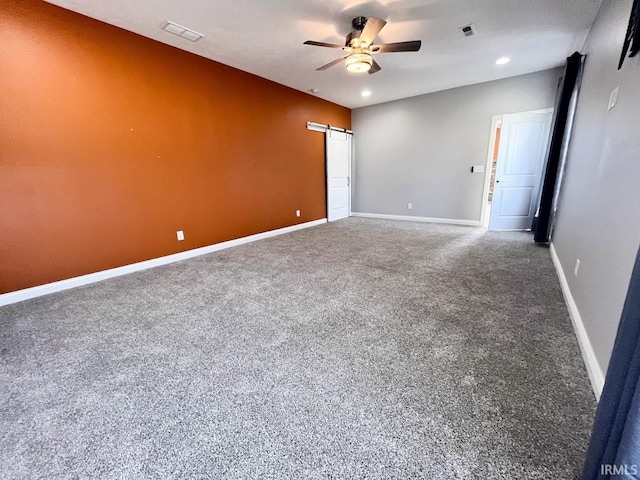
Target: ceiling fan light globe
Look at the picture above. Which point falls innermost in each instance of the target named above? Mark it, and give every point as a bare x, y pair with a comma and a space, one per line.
359, 63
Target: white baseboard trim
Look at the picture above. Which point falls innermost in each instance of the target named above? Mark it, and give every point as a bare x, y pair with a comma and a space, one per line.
46, 289
448, 221
588, 355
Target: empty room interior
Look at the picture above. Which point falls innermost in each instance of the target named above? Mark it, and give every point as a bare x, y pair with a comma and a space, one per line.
311, 239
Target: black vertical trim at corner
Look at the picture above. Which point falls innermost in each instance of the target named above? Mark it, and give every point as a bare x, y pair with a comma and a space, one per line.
631, 43
572, 70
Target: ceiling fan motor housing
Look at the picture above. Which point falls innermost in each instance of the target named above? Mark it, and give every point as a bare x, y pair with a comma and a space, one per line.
351, 36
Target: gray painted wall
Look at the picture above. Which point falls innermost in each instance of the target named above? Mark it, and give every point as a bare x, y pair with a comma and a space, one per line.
599, 210
421, 149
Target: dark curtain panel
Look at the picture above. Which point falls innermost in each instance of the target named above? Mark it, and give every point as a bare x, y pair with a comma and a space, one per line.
631, 43
556, 102
562, 122
614, 451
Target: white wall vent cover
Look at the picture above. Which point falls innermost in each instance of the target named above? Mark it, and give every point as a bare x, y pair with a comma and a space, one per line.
182, 31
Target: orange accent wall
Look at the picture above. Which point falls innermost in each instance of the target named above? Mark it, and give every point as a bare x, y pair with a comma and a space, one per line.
111, 142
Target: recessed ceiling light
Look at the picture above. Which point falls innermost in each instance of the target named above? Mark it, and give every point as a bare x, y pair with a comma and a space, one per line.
503, 60
366, 93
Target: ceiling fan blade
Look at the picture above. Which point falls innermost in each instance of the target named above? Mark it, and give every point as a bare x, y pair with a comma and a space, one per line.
375, 67
329, 65
371, 29
322, 44
412, 46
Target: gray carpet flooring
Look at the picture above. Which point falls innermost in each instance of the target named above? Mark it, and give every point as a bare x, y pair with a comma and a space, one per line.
357, 349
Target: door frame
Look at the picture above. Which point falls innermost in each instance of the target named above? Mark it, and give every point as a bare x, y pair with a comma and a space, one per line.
324, 128
495, 120
350, 142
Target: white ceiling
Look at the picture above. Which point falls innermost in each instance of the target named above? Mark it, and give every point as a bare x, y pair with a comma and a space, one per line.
265, 38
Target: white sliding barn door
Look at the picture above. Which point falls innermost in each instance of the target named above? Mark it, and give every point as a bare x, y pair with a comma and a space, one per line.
338, 153
521, 155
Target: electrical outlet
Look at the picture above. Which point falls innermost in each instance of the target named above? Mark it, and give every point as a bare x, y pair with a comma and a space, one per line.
297, 213
576, 268
409, 206
180, 235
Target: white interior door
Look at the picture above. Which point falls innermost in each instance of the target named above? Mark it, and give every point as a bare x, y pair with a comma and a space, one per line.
338, 174
521, 155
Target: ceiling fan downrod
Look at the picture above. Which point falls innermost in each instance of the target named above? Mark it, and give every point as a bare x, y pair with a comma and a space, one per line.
358, 23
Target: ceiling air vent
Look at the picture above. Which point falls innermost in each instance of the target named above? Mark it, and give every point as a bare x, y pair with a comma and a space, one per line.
182, 31
468, 30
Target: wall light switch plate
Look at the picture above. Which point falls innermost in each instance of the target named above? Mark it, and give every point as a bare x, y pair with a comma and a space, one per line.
297, 213
409, 206
477, 169
180, 235
613, 98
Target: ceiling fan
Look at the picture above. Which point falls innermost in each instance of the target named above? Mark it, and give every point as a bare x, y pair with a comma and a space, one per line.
360, 48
